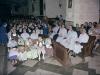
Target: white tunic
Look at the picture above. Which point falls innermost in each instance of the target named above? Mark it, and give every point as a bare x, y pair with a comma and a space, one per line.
13, 52
34, 36
48, 43
70, 40
55, 29
62, 34
25, 36
83, 38
12, 43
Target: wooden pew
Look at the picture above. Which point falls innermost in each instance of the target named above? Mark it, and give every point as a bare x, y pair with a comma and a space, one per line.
61, 54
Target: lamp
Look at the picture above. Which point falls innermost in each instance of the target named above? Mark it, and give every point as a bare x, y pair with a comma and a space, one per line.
60, 4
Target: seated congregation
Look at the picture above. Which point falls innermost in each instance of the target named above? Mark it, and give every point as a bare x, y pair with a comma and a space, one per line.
32, 39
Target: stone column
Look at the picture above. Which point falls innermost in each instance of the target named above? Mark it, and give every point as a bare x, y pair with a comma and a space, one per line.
3, 60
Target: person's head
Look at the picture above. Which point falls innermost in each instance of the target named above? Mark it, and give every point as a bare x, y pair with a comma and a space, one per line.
5, 24
24, 31
82, 31
86, 24
33, 31
40, 38
70, 27
62, 26
94, 24
82, 25
77, 25
90, 23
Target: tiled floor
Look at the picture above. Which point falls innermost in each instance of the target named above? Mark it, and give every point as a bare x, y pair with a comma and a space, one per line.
41, 72
51, 66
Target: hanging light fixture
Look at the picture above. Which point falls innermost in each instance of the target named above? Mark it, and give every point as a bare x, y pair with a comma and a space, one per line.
60, 3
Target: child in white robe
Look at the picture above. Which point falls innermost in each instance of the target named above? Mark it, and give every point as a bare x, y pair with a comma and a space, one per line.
12, 43
22, 56
48, 48
41, 49
34, 35
25, 35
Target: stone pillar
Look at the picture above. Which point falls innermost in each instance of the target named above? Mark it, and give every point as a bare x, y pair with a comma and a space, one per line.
3, 60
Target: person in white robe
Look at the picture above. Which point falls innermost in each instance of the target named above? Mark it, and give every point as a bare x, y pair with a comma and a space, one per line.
21, 41
37, 31
48, 47
62, 34
25, 35
34, 35
70, 39
12, 43
22, 56
83, 38
41, 48
54, 31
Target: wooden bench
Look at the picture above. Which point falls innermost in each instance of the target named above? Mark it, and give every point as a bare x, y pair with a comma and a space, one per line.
61, 53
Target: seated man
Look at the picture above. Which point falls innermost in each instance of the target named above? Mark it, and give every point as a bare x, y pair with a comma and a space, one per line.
70, 39
83, 38
54, 31
62, 34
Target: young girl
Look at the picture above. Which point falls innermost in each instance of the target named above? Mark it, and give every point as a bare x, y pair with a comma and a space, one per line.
48, 48
41, 49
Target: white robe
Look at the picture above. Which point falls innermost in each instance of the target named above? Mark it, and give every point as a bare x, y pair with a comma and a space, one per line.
70, 40
12, 43
25, 36
34, 36
55, 29
48, 43
62, 34
13, 52
22, 56
83, 38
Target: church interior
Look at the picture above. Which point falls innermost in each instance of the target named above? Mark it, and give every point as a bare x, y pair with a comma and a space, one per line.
49, 37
